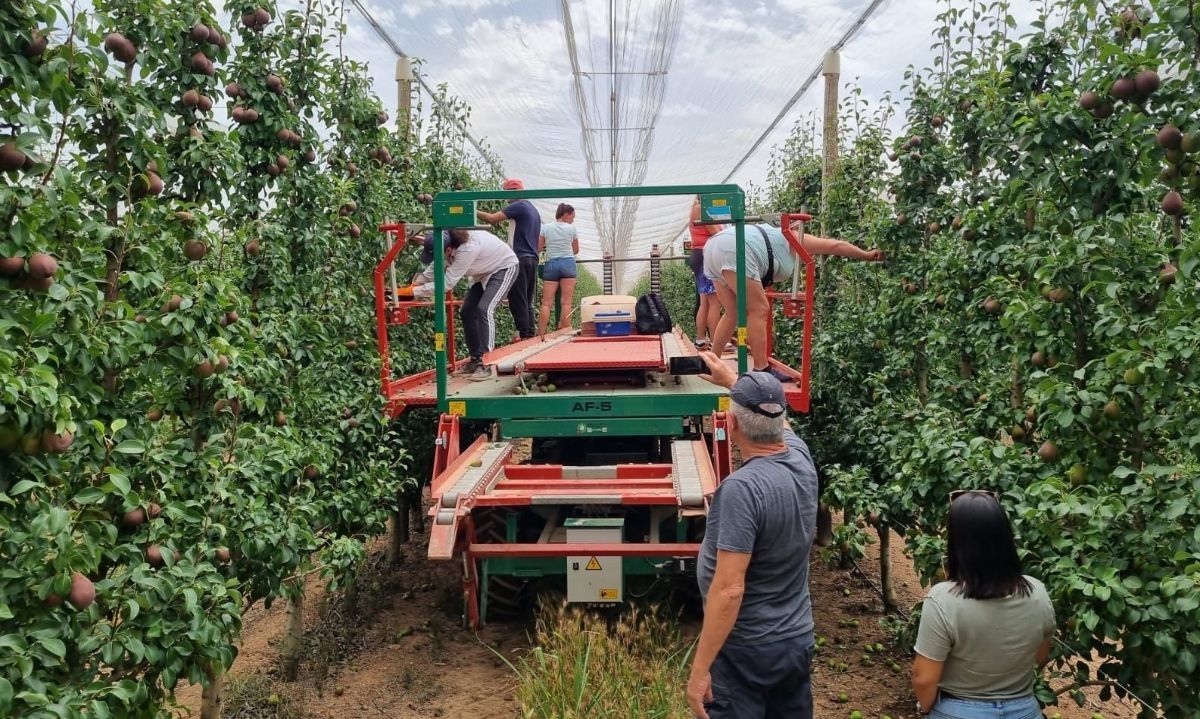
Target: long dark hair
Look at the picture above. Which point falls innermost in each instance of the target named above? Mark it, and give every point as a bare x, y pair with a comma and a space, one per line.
982, 553
563, 209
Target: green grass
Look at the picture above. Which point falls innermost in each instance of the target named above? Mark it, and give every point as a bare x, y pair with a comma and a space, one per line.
586, 665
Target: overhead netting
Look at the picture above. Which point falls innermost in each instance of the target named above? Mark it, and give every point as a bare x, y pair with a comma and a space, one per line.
627, 92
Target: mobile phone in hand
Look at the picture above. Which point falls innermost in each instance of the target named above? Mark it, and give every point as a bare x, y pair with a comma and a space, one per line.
687, 365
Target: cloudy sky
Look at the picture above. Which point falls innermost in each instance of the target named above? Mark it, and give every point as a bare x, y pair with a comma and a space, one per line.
730, 69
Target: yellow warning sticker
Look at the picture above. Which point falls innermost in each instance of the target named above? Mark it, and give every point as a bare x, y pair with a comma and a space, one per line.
608, 594
723, 404
719, 202
439, 341
456, 209
593, 565
458, 408
741, 336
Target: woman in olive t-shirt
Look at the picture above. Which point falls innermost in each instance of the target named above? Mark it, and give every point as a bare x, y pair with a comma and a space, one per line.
984, 630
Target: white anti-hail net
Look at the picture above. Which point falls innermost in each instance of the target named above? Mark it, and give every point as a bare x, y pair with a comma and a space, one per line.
576, 93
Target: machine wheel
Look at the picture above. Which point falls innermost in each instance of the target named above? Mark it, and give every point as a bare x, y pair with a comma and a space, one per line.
507, 597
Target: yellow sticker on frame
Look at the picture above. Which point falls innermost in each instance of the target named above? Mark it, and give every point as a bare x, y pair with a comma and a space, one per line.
723, 404
610, 594
439, 341
741, 336
458, 408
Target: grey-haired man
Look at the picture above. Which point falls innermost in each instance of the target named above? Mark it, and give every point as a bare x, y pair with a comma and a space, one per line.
755, 649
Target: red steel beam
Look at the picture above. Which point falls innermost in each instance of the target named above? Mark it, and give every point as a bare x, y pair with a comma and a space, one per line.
570, 485
525, 499
555, 471
483, 551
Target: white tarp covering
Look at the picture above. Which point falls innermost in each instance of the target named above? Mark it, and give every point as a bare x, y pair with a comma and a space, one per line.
707, 76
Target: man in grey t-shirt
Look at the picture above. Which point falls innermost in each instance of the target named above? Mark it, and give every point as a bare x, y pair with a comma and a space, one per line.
755, 649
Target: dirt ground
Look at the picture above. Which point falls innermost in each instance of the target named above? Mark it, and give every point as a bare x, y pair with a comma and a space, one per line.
402, 652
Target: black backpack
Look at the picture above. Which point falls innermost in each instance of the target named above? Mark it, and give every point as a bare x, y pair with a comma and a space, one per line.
651, 315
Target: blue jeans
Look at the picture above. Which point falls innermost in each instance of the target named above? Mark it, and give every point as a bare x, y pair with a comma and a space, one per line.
771, 680
1023, 708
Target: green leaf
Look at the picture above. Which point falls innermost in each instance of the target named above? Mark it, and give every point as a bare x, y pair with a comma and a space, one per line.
23, 486
90, 495
5, 612
119, 424
55, 647
13, 642
120, 481
130, 446
6, 695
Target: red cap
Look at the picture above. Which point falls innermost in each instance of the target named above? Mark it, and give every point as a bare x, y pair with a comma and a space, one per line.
513, 184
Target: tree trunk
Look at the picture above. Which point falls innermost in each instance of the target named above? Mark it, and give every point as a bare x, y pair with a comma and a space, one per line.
418, 513
824, 527
844, 559
1016, 391
885, 567
210, 695
398, 534
293, 637
824, 517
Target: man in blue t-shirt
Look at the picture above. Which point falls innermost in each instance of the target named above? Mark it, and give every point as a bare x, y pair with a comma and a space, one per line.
525, 243
753, 658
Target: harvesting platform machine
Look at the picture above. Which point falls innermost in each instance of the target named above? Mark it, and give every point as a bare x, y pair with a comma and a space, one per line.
605, 479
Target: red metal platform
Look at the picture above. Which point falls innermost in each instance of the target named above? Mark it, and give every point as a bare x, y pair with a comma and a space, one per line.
601, 353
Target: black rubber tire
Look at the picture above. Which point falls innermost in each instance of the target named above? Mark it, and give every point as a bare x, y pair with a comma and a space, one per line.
507, 597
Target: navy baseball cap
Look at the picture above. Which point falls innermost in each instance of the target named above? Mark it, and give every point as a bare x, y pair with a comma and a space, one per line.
760, 393
427, 249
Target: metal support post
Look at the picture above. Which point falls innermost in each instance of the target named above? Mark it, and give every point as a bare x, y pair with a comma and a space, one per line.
608, 273
439, 317
655, 270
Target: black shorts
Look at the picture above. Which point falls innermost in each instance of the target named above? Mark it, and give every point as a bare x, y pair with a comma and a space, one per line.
772, 680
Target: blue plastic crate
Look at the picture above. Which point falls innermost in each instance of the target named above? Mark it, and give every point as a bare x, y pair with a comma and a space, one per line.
614, 328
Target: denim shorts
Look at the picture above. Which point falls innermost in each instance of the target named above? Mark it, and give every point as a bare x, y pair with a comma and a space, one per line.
704, 285
559, 268
1022, 708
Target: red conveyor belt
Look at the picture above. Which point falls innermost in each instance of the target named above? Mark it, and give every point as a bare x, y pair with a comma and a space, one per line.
617, 353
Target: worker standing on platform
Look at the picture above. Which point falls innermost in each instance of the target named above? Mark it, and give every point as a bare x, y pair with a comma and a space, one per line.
524, 236
560, 241
769, 258
708, 308
491, 266
753, 659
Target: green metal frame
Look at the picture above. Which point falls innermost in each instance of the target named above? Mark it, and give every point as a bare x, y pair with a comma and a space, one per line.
503, 407
592, 427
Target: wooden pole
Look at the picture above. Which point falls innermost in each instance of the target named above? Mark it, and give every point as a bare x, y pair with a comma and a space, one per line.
832, 72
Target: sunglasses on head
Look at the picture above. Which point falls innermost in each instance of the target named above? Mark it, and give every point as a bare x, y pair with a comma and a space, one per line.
986, 492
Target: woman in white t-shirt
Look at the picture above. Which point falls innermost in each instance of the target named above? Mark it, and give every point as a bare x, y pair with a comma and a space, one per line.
984, 630
560, 242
